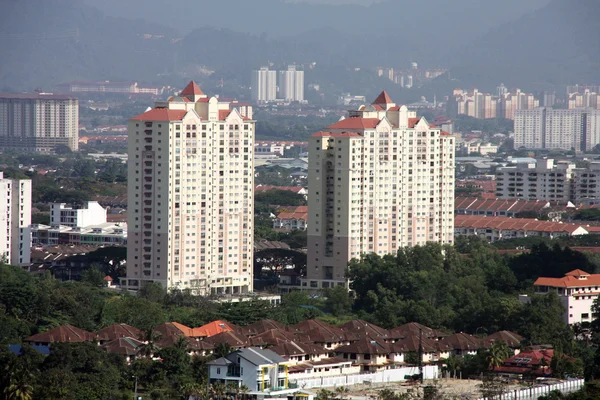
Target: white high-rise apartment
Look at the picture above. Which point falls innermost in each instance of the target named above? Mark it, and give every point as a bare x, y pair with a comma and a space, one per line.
190, 195
291, 84
90, 213
38, 122
546, 128
543, 180
264, 85
15, 219
378, 180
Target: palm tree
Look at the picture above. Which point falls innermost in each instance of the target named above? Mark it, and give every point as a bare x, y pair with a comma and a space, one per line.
149, 348
243, 390
218, 390
341, 392
497, 354
17, 380
222, 349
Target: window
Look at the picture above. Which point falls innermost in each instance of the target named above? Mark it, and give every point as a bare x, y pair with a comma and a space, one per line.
585, 316
218, 371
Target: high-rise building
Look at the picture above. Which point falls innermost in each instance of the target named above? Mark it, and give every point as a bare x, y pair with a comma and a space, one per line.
587, 99
547, 128
378, 180
483, 105
38, 122
264, 85
291, 84
15, 219
543, 180
190, 195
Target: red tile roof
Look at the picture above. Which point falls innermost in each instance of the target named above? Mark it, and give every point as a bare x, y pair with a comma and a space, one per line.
463, 341
293, 215
365, 346
570, 280
116, 331
511, 339
62, 334
213, 328
413, 121
192, 89
577, 273
223, 114
161, 114
356, 123
473, 204
512, 224
414, 329
383, 98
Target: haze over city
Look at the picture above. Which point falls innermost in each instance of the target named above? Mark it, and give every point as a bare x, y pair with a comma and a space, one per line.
300, 199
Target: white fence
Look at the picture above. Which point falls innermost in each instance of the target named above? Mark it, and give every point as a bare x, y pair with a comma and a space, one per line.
535, 392
388, 375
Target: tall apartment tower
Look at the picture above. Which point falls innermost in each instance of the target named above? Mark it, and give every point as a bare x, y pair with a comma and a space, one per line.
547, 128
291, 84
190, 195
38, 122
264, 85
378, 180
15, 219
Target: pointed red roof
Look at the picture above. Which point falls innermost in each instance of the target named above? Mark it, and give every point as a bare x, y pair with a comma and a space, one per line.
358, 123
161, 114
383, 98
192, 89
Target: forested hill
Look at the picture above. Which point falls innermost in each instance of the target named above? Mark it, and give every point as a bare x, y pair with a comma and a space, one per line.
555, 45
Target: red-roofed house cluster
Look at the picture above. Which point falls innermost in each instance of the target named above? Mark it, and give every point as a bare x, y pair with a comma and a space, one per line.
315, 348
291, 218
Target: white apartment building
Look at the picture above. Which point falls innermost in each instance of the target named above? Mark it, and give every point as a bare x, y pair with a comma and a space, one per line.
586, 185
90, 213
15, 218
291, 84
577, 290
379, 180
38, 122
546, 128
190, 195
543, 180
264, 85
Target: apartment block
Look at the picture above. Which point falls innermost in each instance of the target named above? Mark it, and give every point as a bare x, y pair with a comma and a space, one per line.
379, 180
15, 218
485, 105
291, 84
90, 213
190, 195
587, 99
38, 122
547, 128
264, 85
543, 180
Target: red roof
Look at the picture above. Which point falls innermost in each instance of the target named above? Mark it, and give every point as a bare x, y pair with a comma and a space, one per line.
62, 334
108, 278
570, 280
512, 224
265, 188
356, 123
223, 114
212, 328
383, 98
161, 114
413, 121
192, 89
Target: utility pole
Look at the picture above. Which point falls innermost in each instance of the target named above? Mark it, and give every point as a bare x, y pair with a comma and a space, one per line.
135, 396
420, 364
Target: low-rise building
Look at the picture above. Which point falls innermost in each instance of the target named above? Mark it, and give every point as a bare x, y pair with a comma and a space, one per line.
577, 290
90, 213
498, 207
499, 228
295, 218
261, 370
111, 234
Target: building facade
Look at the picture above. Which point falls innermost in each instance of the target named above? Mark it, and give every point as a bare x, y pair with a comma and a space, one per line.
543, 180
264, 85
379, 180
190, 195
90, 213
546, 128
291, 84
38, 122
577, 290
15, 219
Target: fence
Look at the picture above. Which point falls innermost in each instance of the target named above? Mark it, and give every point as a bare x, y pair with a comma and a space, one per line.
388, 375
535, 392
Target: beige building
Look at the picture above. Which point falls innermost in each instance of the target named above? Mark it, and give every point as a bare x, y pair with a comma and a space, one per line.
190, 195
547, 128
38, 122
543, 180
379, 180
264, 85
484, 105
587, 99
291, 84
15, 219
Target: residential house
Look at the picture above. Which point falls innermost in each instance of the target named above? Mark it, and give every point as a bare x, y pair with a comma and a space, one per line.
511, 339
319, 332
325, 367
533, 361
61, 334
371, 355
128, 347
261, 370
117, 331
358, 328
462, 343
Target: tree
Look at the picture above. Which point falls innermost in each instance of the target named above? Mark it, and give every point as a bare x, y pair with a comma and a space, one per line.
149, 348
222, 350
153, 291
497, 354
93, 276
338, 302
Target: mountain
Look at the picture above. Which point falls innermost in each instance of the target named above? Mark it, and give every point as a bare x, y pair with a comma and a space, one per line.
52, 41
557, 44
